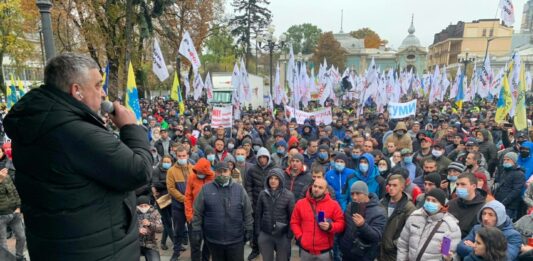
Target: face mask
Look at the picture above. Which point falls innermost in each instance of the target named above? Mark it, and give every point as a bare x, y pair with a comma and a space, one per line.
222, 180
436, 153
166, 165
507, 165
400, 133
382, 168
462, 193
280, 152
431, 207
355, 156
322, 155
339, 166
231, 146
143, 210
408, 160
240, 158
182, 162
211, 157
256, 148
524, 154
363, 167
452, 178
200, 176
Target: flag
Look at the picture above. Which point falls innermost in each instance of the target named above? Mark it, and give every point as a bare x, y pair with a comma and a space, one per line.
278, 92
105, 86
198, 86
444, 84
435, 85
132, 96
460, 90
174, 95
235, 83
11, 95
187, 84
208, 85
485, 79
520, 117
188, 50
455, 86
245, 94
514, 82
505, 101
507, 12
159, 67
20, 90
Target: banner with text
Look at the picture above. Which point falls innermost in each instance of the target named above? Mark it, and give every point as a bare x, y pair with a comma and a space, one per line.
222, 116
321, 116
401, 110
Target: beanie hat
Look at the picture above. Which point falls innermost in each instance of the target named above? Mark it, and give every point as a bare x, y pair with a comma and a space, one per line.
433, 178
341, 156
323, 147
438, 194
282, 143
512, 156
299, 157
359, 186
456, 166
143, 200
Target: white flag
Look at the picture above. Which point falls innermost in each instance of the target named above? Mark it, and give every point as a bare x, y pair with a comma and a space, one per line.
159, 67
188, 51
291, 69
187, 83
496, 84
444, 84
485, 79
198, 86
246, 93
455, 86
278, 92
208, 84
235, 83
435, 85
507, 12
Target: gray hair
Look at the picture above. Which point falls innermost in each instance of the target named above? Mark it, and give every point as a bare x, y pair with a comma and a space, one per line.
66, 69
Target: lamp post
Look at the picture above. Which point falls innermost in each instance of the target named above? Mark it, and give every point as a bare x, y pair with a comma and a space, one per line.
465, 61
270, 43
46, 22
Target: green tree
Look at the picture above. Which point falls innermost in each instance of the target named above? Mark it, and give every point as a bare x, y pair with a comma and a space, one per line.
220, 51
331, 49
372, 39
252, 19
303, 37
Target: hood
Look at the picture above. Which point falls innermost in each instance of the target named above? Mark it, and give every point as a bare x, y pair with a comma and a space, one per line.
527, 144
263, 152
498, 208
42, 110
204, 166
292, 141
401, 126
278, 173
371, 163
486, 134
229, 158
257, 141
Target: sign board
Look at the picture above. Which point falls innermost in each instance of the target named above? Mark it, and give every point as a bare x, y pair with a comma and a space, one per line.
321, 116
401, 110
222, 116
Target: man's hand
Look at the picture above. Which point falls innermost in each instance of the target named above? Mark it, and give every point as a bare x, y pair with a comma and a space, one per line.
3, 174
324, 225
122, 116
143, 231
525, 248
17, 211
248, 235
469, 243
146, 223
358, 220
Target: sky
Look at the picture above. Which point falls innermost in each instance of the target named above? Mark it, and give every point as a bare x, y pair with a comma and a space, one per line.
389, 18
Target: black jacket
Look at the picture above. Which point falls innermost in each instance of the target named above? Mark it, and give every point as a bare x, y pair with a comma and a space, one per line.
76, 179
510, 188
370, 233
255, 180
159, 180
395, 224
274, 206
466, 211
299, 184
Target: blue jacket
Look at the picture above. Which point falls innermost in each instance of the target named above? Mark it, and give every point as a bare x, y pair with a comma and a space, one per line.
514, 239
371, 179
527, 163
339, 133
337, 180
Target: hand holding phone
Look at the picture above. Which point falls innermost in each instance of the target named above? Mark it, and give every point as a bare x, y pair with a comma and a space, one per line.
321, 216
445, 246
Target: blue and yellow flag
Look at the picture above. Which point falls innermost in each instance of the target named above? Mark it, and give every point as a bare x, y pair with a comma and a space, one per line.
20, 89
505, 101
105, 86
460, 93
520, 117
11, 95
132, 96
175, 88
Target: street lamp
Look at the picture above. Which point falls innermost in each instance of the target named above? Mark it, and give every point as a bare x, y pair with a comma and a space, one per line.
270, 43
46, 22
466, 60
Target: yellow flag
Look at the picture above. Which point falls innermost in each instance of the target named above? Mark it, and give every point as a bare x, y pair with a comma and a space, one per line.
520, 118
132, 97
505, 101
175, 88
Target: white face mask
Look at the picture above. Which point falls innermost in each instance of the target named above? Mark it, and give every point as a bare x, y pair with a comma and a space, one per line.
143, 209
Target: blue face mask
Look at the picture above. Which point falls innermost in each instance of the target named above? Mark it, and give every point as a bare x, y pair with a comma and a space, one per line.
363, 167
408, 160
200, 176
452, 178
507, 165
431, 207
280, 152
322, 155
182, 162
355, 156
462, 193
240, 158
339, 166
211, 157
166, 165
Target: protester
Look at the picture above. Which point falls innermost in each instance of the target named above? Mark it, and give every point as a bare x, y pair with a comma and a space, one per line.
511, 185
149, 223
10, 216
80, 187
159, 189
431, 181
337, 178
368, 173
490, 244
297, 177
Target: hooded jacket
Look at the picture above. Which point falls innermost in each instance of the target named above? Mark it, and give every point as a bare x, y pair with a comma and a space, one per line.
375, 183
395, 223
298, 184
195, 184
466, 211
255, 178
75, 178
370, 233
274, 206
527, 163
338, 181
511, 185
488, 149
503, 222
401, 142
305, 227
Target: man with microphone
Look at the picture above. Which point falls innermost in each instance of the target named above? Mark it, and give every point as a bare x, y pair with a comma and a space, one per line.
74, 177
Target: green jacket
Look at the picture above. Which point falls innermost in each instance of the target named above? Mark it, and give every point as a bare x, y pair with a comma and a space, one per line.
9, 197
394, 226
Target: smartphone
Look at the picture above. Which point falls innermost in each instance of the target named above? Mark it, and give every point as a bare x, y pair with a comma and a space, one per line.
445, 247
362, 209
321, 216
355, 208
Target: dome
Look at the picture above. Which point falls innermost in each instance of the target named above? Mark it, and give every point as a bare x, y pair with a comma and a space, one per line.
411, 39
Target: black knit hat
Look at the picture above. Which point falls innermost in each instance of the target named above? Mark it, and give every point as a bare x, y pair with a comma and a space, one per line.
143, 200
433, 178
438, 194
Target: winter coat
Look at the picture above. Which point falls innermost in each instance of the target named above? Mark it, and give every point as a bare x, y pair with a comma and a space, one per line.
177, 177
159, 180
514, 240
528, 195
511, 185
255, 178
527, 163
195, 184
274, 207
305, 227
279, 159
9, 197
297, 184
161, 149
394, 226
401, 142
77, 194
488, 149
149, 240
466, 211
338, 181
370, 233
309, 159
416, 232
376, 183
223, 214
525, 227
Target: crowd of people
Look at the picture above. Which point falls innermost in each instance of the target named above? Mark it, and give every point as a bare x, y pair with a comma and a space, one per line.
445, 184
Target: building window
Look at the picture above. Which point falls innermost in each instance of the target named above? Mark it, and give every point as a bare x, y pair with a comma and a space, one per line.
491, 32
484, 32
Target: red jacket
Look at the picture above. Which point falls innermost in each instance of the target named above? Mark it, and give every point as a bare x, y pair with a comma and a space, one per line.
305, 226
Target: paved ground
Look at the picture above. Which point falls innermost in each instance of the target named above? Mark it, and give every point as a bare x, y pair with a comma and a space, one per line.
166, 254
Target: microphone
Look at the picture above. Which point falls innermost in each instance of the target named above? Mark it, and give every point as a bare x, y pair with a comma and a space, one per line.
107, 107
